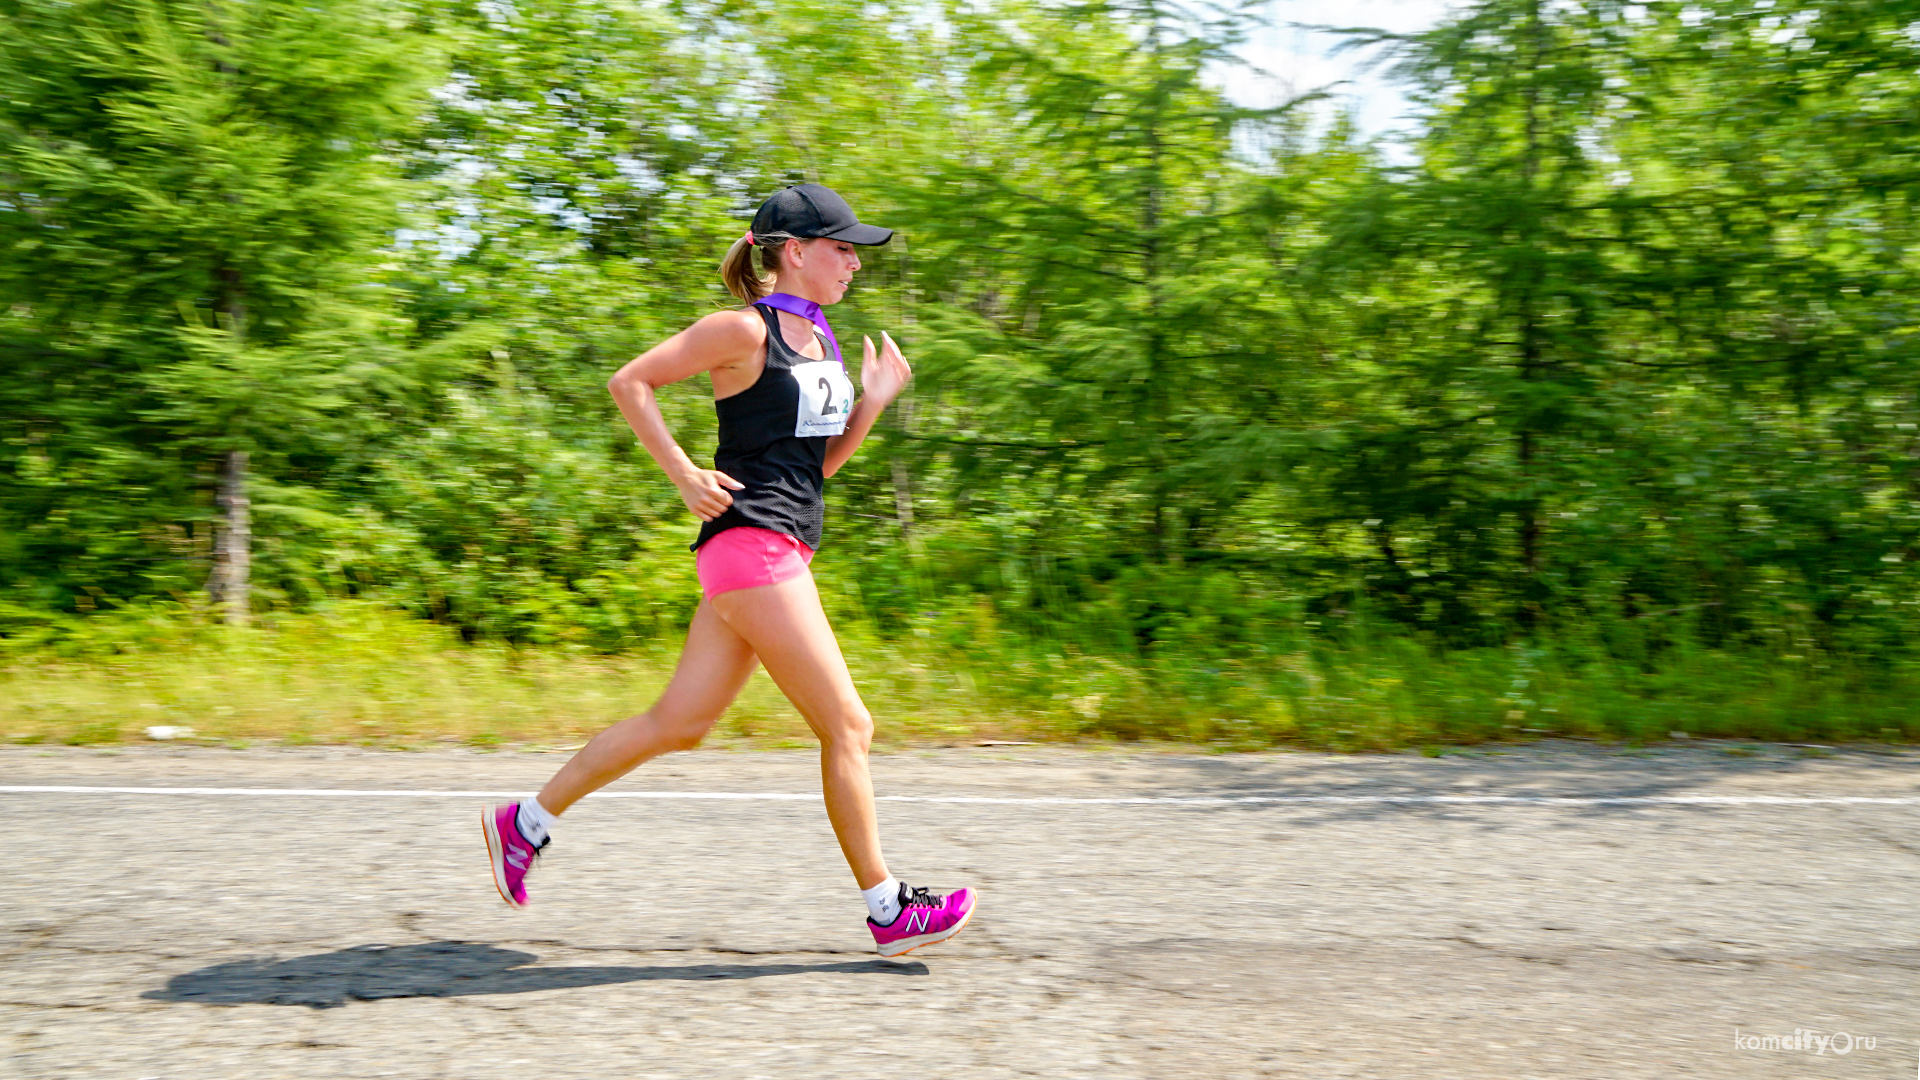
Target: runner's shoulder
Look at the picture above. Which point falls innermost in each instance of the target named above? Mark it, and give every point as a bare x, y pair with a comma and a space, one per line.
735, 331
730, 339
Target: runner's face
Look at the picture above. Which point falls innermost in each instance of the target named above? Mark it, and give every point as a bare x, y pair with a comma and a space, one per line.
821, 270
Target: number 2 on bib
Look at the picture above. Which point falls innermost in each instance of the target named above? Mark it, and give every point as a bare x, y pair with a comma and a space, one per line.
826, 397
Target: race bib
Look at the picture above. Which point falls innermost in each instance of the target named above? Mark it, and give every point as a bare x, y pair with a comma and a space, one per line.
826, 397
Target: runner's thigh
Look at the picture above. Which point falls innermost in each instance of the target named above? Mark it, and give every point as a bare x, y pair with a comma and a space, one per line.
714, 665
785, 627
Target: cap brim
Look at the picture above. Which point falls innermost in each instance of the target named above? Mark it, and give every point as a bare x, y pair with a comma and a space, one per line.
869, 235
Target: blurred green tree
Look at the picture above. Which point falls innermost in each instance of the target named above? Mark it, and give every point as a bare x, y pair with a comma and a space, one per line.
1628, 325
1103, 324
190, 206
1485, 281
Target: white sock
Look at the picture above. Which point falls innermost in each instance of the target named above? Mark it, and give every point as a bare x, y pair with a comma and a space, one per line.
883, 901
534, 820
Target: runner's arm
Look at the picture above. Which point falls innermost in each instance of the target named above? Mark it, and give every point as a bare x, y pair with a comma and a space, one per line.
883, 374
719, 339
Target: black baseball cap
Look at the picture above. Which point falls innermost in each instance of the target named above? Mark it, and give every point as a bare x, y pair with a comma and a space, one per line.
811, 210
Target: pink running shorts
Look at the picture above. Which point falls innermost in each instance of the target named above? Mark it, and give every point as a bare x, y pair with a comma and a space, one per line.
743, 558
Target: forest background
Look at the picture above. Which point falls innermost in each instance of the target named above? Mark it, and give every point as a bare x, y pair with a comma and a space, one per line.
1591, 409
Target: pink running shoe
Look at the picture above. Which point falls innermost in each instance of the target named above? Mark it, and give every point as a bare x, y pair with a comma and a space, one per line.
924, 919
509, 852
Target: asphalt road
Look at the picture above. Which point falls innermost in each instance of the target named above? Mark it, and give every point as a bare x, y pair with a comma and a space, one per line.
331, 935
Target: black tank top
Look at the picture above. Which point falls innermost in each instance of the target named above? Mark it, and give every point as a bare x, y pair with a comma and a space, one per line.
773, 439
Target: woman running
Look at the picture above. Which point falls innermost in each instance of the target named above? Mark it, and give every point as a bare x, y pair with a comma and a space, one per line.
788, 420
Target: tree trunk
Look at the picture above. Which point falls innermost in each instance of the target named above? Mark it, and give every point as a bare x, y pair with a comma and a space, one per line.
1153, 413
902, 498
902, 483
1530, 350
903, 406
231, 583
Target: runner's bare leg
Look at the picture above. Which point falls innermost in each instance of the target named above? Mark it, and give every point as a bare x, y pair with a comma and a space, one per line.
786, 628
714, 665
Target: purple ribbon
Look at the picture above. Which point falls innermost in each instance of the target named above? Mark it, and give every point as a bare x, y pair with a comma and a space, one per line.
807, 310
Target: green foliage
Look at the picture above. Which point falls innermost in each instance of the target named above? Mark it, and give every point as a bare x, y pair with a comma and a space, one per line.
1633, 329
1600, 396
189, 197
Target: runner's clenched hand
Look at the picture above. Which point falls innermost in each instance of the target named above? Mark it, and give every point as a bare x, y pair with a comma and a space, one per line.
705, 491
883, 373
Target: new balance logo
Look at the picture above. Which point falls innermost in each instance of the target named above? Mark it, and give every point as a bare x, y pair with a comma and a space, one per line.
517, 860
916, 921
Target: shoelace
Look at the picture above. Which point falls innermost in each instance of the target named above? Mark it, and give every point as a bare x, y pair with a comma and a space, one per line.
532, 860
534, 857
923, 898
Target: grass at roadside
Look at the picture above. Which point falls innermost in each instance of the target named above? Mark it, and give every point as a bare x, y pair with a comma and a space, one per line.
360, 673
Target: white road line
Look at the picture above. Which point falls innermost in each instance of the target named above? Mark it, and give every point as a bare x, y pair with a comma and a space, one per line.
986, 800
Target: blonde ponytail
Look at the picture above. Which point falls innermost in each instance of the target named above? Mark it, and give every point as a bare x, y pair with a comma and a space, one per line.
737, 268
737, 271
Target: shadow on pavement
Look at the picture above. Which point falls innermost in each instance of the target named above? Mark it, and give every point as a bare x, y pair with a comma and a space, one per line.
446, 969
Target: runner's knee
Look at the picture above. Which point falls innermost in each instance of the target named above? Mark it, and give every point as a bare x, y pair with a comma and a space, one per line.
684, 732
850, 728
